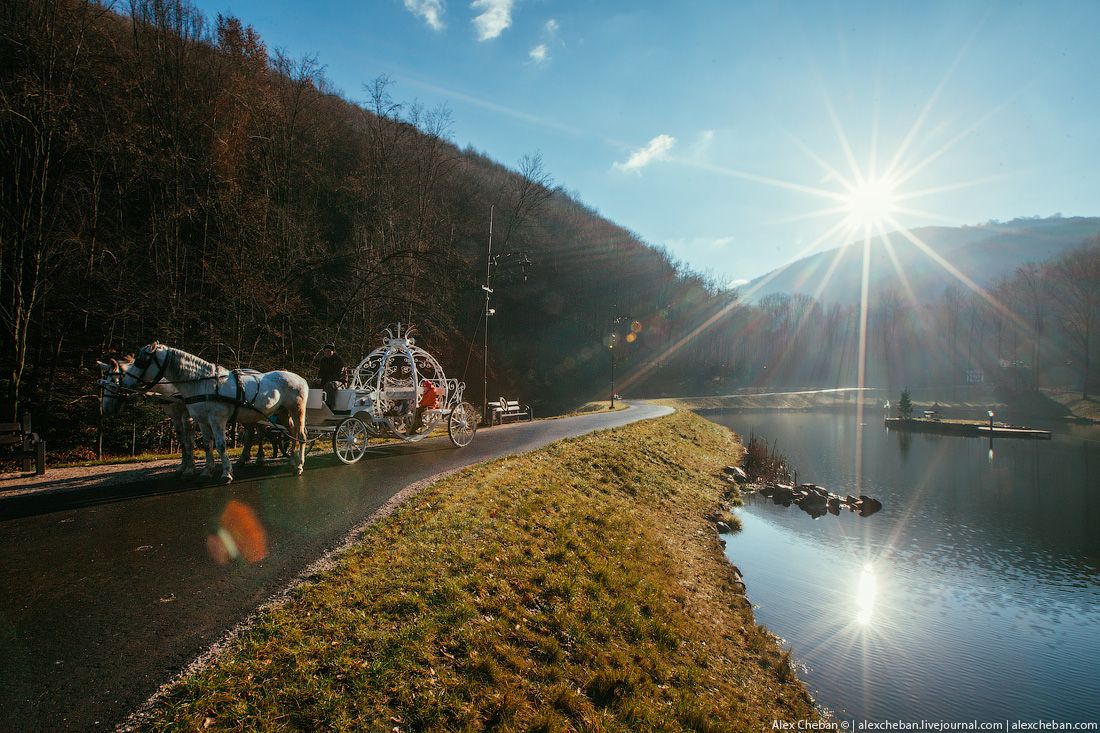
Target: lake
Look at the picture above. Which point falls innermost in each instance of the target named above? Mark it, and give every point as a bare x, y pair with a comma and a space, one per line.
973, 594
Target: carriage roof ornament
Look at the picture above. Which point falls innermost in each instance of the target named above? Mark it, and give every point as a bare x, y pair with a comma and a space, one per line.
395, 336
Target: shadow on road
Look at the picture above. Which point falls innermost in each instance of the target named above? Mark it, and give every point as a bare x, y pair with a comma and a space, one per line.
58, 497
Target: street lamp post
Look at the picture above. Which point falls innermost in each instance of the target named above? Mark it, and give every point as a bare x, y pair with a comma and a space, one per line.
612, 340
611, 348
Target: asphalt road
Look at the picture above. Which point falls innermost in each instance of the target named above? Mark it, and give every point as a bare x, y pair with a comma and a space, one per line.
102, 603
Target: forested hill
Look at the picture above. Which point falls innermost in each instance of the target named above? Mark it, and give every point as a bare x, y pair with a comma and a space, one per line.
985, 253
167, 176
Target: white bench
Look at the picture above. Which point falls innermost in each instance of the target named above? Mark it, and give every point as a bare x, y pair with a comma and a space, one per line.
504, 409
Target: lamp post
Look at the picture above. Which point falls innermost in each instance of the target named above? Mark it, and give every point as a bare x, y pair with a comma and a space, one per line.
612, 341
611, 348
491, 261
991, 436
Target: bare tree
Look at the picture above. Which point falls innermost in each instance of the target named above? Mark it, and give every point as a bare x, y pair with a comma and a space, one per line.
1076, 277
1032, 283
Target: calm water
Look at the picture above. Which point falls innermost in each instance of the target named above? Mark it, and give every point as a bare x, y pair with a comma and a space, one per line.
973, 594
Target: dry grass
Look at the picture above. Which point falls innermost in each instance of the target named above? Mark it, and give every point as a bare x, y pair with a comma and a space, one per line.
1072, 401
578, 587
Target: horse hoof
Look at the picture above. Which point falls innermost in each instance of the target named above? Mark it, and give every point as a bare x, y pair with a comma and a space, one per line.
227, 479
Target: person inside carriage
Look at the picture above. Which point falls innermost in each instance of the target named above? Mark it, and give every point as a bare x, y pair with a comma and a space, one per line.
429, 400
330, 373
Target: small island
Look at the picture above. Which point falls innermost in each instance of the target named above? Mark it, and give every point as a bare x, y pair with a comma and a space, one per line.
933, 422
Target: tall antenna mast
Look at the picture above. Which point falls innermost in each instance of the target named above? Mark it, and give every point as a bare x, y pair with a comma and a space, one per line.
488, 294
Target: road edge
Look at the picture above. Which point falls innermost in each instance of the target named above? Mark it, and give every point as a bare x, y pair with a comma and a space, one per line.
134, 721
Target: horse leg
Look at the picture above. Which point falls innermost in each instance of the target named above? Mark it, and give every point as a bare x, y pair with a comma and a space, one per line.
261, 436
300, 433
296, 421
219, 443
187, 444
246, 449
208, 443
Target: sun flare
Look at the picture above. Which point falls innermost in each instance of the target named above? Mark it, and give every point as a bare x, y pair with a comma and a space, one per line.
871, 203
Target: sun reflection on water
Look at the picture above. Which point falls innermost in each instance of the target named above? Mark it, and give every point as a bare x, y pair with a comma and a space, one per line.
865, 595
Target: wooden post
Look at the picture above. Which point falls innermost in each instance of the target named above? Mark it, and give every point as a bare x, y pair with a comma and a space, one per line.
26, 439
133, 439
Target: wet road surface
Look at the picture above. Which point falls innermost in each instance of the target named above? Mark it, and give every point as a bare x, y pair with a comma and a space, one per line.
101, 604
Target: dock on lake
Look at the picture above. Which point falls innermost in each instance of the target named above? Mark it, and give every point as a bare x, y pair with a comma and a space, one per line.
971, 428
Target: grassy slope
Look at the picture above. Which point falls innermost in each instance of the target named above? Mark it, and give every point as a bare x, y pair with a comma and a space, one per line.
576, 587
1077, 407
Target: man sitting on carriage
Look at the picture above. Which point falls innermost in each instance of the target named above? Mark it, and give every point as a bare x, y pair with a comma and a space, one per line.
330, 373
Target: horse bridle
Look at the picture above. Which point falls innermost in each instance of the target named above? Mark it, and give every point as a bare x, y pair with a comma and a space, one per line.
113, 378
142, 386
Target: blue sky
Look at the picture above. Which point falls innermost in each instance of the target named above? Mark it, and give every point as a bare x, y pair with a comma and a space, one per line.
687, 122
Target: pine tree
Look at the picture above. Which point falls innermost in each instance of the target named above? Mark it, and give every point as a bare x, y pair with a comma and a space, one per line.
905, 405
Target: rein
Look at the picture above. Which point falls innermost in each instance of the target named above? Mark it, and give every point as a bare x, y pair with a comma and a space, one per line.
142, 386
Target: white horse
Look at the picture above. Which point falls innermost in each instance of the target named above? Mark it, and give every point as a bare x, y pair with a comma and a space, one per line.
216, 396
165, 396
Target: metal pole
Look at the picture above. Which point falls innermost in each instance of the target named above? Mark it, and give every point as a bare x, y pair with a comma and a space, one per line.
612, 371
99, 429
485, 352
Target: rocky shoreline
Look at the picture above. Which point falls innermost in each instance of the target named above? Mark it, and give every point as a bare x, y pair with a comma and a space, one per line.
817, 501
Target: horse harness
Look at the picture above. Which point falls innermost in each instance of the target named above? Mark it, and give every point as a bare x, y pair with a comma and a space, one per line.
237, 400
143, 386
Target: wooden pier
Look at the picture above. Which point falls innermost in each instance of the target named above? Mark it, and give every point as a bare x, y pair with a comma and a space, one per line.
965, 427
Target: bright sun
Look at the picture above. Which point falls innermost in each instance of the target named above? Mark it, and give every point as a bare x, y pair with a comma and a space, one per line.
871, 203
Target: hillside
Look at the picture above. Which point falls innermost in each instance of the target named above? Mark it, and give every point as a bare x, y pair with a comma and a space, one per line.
985, 253
165, 175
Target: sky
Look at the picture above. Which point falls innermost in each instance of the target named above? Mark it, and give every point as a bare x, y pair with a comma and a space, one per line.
734, 133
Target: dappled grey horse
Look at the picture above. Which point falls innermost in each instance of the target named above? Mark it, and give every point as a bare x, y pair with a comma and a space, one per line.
164, 396
215, 397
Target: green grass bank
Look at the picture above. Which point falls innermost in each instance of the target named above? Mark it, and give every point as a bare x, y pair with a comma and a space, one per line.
577, 587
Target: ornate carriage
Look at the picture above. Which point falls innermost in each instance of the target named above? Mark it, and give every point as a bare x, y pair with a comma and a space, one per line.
389, 395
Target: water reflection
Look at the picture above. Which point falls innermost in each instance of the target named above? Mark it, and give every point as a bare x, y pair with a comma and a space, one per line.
974, 593
865, 595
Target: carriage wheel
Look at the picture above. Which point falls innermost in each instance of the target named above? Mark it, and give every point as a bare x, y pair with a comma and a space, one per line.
462, 424
349, 440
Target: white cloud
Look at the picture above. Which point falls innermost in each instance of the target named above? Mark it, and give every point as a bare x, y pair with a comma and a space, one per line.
539, 54
430, 10
552, 26
496, 15
656, 149
737, 282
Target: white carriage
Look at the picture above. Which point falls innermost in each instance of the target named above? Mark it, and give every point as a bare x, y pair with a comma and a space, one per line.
385, 398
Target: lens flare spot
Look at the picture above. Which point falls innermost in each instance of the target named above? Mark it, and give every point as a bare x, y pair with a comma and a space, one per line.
240, 535
631, 337
636, 326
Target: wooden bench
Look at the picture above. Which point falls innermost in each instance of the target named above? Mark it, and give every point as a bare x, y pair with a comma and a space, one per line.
504, 409
17, 441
